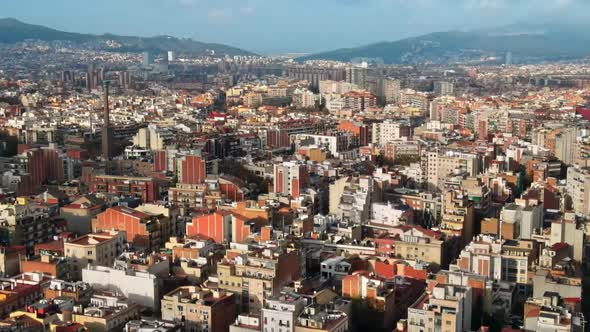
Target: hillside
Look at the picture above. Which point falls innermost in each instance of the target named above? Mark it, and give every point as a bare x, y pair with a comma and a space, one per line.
442, 47
13, 31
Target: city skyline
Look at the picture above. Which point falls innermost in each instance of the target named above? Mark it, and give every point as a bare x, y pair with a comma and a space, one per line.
268, 27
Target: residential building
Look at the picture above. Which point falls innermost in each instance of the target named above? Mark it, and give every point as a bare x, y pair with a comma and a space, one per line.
26, 223
445, 308
96, 249
142, 288
200, 309
280, 313
144, 227
457, 216
252, 277
578, 188
387, 131
290, 178
145, 188
413, 243
504, 260
106, 312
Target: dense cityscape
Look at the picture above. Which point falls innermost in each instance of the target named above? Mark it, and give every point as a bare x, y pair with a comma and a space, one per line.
146, 190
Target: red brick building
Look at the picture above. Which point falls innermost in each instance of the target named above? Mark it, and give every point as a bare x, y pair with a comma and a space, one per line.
231, 188
143, 230
145, 188
41, 165
223, 226
362, 130
216, 226
160, 161
191, 170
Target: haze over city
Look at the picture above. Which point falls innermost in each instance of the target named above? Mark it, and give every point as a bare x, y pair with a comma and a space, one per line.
278, 26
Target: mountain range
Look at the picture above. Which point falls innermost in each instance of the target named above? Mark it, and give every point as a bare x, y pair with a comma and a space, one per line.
526, 42
13, 31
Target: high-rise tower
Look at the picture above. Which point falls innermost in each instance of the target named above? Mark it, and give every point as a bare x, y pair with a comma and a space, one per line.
107, 131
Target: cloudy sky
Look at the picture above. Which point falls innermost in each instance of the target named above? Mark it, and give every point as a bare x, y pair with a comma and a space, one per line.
273, 26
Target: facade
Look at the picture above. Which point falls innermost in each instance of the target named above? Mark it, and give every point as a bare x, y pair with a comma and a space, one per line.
10, 256
25, 223
222, 227
502, 260
578, 188
359, 101
391, 90
439, 166
146, 189
402, 148
200, 309
290, 179
457, 216
413, 243
525, 217
388, 131
79, 213
96, 249
106, 313
143, 228
280, 314
142, 288
443, 88
191, 170
446, 308
254, 278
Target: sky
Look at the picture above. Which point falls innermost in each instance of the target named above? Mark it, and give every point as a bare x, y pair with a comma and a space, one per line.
280, 26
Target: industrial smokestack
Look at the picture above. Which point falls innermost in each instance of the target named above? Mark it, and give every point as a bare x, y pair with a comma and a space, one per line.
106, 127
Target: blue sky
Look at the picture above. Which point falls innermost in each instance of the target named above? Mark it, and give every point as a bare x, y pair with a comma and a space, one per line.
273, 26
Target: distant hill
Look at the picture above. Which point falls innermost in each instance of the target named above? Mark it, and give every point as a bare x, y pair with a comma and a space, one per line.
530, 43
13, 31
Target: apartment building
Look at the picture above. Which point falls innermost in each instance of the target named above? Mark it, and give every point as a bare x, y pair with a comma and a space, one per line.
254, 276
280, 313
106, 312
200, 309
504, 260
389, 130
290, 178
457, 215
145, 188
139, 287
399, 148
97, 249
413, 243
439, 165
145, 227
525, 217
317, 319
578, 189
79, 213
552, 312
26, 223
447, 308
